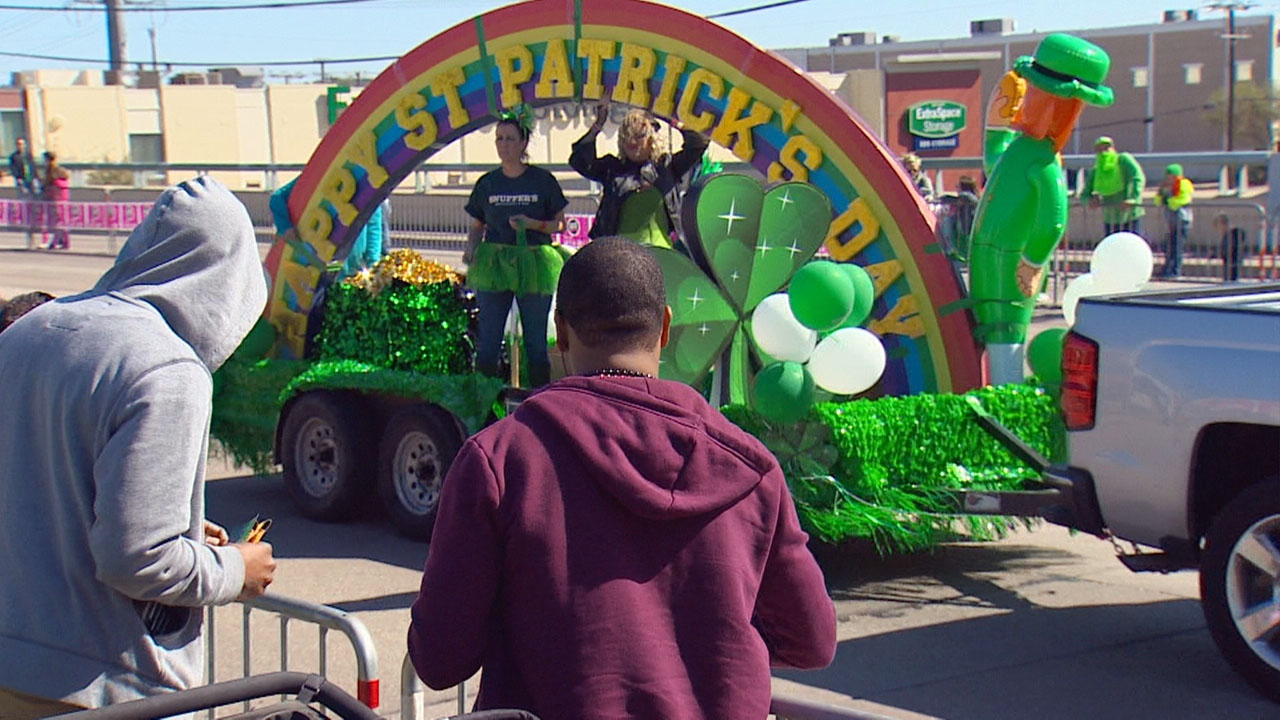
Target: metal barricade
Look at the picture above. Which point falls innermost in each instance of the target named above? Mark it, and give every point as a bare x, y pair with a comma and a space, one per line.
1204, 256
325, 618
413, 705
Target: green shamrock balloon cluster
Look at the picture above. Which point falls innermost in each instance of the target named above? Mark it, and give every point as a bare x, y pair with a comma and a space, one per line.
730, 310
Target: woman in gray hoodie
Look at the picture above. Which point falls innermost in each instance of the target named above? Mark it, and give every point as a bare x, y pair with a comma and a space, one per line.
107, 555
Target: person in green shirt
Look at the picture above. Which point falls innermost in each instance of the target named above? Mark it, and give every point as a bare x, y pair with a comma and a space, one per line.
1174, 195
1115, 183
510, 252
642, 182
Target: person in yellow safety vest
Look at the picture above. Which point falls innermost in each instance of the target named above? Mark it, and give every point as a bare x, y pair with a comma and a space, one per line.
1115, 183
1174, 196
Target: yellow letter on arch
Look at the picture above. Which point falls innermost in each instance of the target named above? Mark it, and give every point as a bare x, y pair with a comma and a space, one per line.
665, 105
419, 124
515, 66
638, 64
446, 84
338, 188
715, 88
364, 152
859, 212
732, 124
596, 52
555, 79
789, 161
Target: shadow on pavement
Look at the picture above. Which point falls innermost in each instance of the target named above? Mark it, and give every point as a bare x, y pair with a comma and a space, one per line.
1103, 662
1019, 659
232, 501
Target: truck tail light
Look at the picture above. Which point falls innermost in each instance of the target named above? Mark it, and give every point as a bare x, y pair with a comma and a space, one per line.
1079, 381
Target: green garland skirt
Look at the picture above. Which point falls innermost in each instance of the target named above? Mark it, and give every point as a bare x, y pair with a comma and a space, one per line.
521, 269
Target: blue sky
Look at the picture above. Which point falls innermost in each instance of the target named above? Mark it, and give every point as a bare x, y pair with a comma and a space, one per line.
393, 27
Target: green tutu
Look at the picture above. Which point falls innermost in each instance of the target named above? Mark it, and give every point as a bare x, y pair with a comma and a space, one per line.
521, 269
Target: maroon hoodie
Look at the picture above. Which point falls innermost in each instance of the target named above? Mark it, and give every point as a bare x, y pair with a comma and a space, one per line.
618, 549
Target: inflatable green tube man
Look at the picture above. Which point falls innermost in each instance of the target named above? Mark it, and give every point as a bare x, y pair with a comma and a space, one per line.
1023, 212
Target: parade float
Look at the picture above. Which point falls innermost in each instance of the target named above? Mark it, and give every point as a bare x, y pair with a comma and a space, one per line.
816, 308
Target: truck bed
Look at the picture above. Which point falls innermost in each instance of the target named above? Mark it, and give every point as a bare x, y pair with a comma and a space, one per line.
1172, 365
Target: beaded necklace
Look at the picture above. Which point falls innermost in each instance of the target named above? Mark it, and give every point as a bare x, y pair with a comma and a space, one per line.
618, 372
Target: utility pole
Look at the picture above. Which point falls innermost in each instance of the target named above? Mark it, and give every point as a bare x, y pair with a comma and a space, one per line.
1231, 77
152, 32
1231, 37
115, 42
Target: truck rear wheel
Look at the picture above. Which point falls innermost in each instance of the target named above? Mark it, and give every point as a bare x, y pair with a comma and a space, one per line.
416, 451
325, 446
1240, 585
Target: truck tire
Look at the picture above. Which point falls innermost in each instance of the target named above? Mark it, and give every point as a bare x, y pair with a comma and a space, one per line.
1240, 585
325, 449
417, 448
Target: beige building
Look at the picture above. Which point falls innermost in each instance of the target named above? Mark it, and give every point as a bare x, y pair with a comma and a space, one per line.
1164, 75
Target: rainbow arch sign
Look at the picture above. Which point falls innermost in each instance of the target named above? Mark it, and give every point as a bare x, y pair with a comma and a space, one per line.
678, 65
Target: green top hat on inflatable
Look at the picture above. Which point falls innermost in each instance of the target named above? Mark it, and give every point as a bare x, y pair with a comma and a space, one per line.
1068, 67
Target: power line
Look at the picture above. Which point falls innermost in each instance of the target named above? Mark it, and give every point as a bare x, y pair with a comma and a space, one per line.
201, 8
744, 11
313, 61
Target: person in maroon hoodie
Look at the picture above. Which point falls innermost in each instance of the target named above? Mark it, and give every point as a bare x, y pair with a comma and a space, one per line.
616, 548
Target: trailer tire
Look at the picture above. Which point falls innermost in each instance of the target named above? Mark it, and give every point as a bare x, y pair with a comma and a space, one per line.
415, 453
1240, 579
325, 449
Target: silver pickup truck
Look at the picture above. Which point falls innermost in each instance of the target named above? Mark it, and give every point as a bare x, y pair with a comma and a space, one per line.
1172, 406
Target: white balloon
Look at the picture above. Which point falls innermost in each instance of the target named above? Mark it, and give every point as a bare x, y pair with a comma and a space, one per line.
1122, 262
777, 331
1083, 286
848, 361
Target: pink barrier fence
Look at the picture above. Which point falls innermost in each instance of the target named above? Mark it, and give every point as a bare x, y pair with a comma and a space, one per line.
120, 216
576, 228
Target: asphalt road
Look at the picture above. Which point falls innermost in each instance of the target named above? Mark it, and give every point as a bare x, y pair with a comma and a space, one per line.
1043, 624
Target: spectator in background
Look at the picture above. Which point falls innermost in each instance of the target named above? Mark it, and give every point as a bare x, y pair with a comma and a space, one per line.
1174, 195
616, 548
1232, 245
23, 169
1115, 183
915, 170
21, 305
366, 250
57, 191
966, 203
511, 254
108, 558
641, 200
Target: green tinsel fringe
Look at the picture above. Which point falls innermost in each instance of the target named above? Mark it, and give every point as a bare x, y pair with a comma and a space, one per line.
469, 397
875, 469
246, 407
419, 328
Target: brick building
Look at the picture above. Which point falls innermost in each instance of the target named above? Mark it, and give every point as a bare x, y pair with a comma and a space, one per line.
1165, 76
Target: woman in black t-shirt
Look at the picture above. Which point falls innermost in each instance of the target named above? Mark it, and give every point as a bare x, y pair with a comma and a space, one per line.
510, 252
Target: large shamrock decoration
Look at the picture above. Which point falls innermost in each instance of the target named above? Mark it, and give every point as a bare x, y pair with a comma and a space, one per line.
747, 241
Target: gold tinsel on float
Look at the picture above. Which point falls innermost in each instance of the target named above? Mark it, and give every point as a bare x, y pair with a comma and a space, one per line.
405, 265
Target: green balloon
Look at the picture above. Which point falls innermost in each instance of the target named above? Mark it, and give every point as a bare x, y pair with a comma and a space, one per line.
1044, 355
864, 289
821, 295
783, 392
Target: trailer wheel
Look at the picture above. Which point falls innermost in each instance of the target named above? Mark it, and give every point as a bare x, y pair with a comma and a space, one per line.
325, 446
416, 451
1240, 585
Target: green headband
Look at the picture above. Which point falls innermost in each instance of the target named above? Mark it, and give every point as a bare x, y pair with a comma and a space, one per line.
521, 115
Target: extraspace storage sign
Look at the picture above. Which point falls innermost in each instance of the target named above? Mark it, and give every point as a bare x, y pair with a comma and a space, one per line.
936, 124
